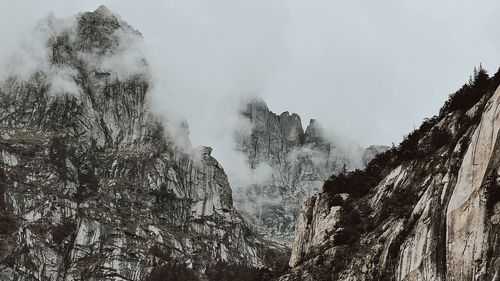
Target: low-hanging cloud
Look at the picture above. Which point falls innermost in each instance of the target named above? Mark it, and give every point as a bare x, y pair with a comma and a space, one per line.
62, 80
35, 53
367, 70
352, 65
178, 92
210, 57
29, 53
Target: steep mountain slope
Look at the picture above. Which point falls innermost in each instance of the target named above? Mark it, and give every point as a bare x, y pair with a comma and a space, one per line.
299, 161
426, 210
91, 185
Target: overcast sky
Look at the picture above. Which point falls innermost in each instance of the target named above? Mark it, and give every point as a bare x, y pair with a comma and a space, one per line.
367, 70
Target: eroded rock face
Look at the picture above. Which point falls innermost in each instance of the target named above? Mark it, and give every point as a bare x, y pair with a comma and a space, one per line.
467, 231
300, 161
428, 219
316, 222
91, 186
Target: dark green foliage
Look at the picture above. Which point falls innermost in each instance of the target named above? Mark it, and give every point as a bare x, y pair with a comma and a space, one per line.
471, 92
8, 224
337, 200
400, 204
417, 146
438, 139
62, 231
277, 262
88, 182
350, 226
356, 183
158, 252
423, 144
172, 271
492, 194
236, 272
346, 236
3, 181
58, 154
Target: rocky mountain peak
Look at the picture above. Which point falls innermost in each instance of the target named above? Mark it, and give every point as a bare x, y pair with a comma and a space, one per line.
314, 134
97, 30
92, 179
313, 123
300, 161
255, 102
103, 11
98, 43
293, 125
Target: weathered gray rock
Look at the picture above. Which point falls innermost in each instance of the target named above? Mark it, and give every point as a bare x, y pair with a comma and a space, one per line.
300, 162
91, 185
467, 227
427, 219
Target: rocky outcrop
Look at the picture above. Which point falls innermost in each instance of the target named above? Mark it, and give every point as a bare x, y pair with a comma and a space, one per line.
272, 136
467, 227
91, 185
433, 215
300, 161
315, 223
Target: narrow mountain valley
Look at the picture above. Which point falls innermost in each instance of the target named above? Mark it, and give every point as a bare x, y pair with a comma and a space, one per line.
95, 186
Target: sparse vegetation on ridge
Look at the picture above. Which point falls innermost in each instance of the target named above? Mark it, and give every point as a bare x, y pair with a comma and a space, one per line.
423, 144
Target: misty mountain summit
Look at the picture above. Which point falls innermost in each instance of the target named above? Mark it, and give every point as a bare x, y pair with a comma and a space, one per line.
298, 162
94, 185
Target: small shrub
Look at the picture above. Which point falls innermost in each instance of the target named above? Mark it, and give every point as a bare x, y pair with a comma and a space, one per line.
277, 262
62, 231
400, 204
236, 272
350, 226
470, 93
58, 155
356, 183
439, 138
492, 194
337, 200
8, 224
172, 271
346, 236
88, 183
159, 253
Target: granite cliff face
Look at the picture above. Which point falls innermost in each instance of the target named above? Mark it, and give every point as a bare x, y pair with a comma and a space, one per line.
91, 185
426, 210
299, 162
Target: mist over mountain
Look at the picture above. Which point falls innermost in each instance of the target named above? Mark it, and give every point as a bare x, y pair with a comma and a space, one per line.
424, 210
99, 178
92, 185
291, 163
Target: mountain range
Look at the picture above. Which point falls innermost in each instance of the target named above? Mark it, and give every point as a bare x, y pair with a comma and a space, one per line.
95, 186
